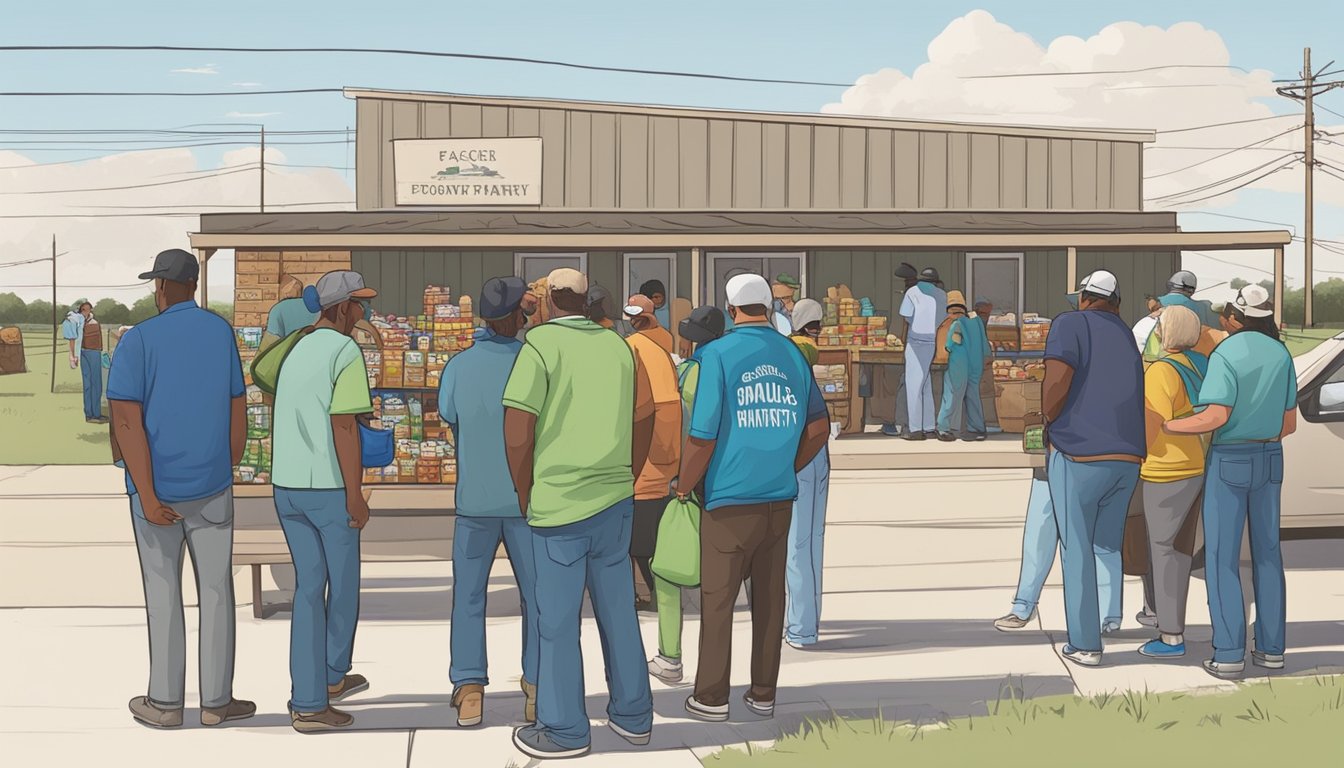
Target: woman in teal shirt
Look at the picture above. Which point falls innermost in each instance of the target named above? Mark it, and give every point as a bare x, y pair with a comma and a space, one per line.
1250, 399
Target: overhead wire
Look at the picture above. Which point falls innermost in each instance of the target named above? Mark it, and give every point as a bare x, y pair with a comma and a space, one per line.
123, 187
1217, 183
1233, 189
1224, 154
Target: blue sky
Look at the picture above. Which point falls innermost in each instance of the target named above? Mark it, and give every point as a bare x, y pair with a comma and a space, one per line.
835, 41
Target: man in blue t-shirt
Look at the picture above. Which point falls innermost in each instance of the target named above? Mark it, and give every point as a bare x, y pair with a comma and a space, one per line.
758, 419
1093, 402
471, 401
179, 420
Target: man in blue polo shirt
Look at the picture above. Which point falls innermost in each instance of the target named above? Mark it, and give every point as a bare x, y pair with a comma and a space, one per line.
178, 417
1093, 403
758, 419
471, 401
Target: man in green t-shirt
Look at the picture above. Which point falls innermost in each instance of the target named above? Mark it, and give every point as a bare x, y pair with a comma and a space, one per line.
578, 421
323, 386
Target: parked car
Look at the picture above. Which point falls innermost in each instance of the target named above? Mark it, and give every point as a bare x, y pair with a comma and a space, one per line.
1313, 457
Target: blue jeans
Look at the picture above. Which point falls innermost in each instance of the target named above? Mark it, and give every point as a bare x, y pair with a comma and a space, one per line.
325, 550
91, 371
1244, 484
475, 541
1040, 537
593, 553
1091, 500
806, 538
919, 385
961, 408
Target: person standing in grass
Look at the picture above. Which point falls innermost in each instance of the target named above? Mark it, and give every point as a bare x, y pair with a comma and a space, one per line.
82, 331
704, 325
1250, 404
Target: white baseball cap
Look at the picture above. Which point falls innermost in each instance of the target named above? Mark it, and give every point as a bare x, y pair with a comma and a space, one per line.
745, 290
1102, 283
1250, 301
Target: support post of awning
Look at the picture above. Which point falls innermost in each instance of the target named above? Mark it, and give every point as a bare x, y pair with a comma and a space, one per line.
203, 281
1072, 271
695, 277
1278, 286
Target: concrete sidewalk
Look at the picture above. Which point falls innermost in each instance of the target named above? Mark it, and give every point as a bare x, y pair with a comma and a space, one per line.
918, 564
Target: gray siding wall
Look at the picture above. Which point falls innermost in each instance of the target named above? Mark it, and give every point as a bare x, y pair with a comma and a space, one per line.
605, 160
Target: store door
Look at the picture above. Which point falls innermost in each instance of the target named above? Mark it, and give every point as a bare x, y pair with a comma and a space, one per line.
997, 277
640, 268
723, 266
534, 266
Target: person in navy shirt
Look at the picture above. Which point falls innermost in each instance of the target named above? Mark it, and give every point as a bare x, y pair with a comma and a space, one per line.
758, 419
471, 402
179, 419
1093, 403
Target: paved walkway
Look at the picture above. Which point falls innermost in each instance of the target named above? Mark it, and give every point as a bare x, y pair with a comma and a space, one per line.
918, 563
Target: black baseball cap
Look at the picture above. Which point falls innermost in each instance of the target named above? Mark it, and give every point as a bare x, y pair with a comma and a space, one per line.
704, 325
500, 296
929, 274
176, 265
601, 298
907, 271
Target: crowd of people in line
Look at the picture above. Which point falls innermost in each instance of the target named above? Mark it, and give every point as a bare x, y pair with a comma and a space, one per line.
571, 442
1151, 430
575, 434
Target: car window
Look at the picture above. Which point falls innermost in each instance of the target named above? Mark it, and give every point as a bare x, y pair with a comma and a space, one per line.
1331, 398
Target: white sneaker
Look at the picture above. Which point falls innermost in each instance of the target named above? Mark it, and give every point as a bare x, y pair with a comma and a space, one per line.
1267, 660
711, 714
667, 670
760, 708
1082, 658
637, 739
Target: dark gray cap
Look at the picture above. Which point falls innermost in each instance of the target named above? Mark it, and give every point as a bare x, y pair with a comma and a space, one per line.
906, 271
176, 265
500, 296
600, 297
342, 285
703, 326
1184, 279
929, 274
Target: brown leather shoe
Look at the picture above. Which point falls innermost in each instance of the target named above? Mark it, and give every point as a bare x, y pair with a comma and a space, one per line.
149, 713
469, 701
530, 705
328, 719
236, 709
349, 686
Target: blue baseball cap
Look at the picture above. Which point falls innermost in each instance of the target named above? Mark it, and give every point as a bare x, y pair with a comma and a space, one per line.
500, 296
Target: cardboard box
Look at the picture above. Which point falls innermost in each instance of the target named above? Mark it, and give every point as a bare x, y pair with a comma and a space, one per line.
257, 268
242, 256
1018, 398
414, 376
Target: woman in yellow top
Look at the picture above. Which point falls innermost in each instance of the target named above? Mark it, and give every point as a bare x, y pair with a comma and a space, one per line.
1173, 473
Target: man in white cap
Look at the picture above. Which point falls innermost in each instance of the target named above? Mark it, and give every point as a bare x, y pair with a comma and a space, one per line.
757, 421
578, 421
1093, 403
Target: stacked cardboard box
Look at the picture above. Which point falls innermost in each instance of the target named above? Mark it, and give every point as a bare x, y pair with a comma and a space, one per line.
1015, 401
1035, 330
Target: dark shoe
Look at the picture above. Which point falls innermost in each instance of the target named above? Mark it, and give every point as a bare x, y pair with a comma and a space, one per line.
349, 686
891, 430
234, 710
1225, 670
947, 437
914, 436
710, 714
328, 719
974, 437
1146, 619
1267, 660
535, 741
469, 701
149, 713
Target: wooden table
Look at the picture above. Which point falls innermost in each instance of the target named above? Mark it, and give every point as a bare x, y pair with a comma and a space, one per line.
854, 358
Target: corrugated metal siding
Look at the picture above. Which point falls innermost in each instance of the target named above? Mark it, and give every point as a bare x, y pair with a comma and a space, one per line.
632, 160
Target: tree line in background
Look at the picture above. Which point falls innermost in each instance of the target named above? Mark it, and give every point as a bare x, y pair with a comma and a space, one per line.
110, 312
1328, 296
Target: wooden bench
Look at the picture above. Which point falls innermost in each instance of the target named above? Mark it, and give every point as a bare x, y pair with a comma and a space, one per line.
405, 525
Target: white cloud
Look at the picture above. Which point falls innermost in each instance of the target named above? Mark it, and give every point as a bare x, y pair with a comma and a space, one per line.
236, 115
208, 69
111, 250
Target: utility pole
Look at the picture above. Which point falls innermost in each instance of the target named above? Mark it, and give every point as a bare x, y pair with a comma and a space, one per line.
55, 325
262, 201
1308, 90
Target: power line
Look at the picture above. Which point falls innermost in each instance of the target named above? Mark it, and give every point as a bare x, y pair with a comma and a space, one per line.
128, 186
1225, 154
82, 94
1232, 263
1213, 184
431, 54
22, 263
167, 146
1097, 71
1233, 189
105, 287
223, 205
1220, 125
157, 131
1292, 227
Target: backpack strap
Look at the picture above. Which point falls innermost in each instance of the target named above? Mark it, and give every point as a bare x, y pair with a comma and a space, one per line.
1191, 378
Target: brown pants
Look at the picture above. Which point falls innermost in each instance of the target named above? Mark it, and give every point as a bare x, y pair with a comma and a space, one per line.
736, 543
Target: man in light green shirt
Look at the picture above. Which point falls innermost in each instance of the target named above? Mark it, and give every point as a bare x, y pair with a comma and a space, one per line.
578, 420
317, 471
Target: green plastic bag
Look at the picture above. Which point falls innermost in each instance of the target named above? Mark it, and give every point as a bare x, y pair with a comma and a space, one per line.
676, 555
266, 366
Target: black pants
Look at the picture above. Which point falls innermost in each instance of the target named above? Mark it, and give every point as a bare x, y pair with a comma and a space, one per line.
643, 539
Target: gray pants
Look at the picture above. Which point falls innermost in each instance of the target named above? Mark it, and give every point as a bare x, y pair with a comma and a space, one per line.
206, 528
988, 393
1166, 506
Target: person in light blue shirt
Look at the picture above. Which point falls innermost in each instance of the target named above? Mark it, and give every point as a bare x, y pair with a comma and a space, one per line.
923, 307
290, 314
1249, 396
758, 419
179, 420
471, 403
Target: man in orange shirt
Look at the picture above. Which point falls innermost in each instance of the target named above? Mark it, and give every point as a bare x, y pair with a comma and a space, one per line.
652, 347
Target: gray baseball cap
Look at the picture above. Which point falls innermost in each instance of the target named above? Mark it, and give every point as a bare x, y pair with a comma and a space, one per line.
1183, 279
176, 265
342, 285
